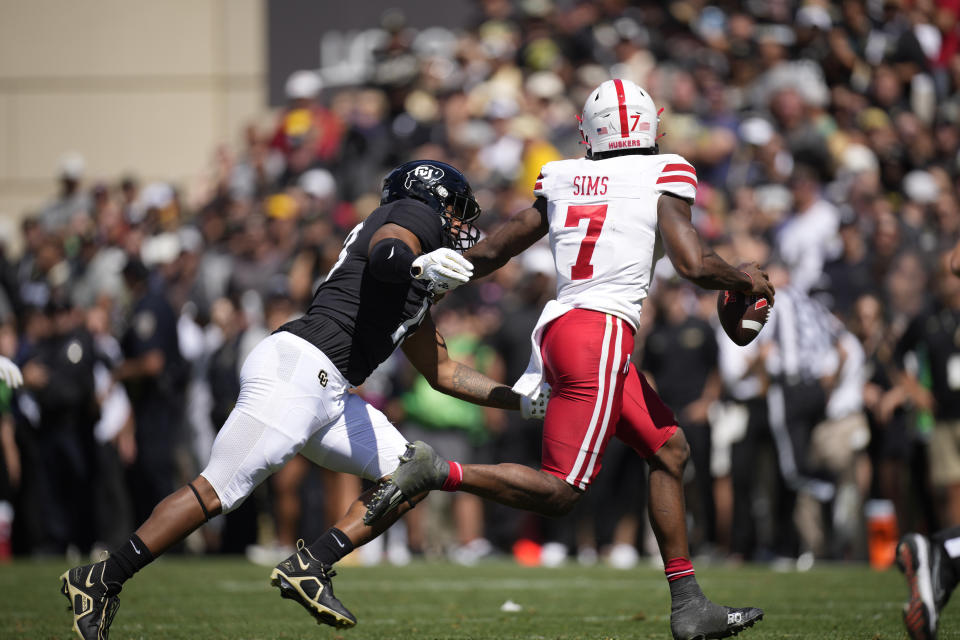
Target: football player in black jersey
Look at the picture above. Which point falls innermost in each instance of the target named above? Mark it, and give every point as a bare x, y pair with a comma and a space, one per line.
295, 393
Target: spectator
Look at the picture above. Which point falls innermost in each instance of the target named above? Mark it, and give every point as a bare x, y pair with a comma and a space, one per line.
58, 372
935, 354
838, 451
741, 438
848, 276
891, 439
808, 237
307, 133
680, 355
71, 200
11, 465
797, 365
114, 435
457, 428
155, 375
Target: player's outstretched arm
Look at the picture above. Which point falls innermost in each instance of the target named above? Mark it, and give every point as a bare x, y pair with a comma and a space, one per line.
515, 235
427, 350
697, 262
394, 256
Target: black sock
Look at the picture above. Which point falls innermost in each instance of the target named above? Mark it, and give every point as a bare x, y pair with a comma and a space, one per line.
125, 561
331, 546
683, 590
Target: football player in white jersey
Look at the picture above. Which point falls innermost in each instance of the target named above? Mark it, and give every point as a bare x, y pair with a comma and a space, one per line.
610, 216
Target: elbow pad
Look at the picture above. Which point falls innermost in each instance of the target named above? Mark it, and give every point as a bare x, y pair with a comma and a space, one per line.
390, 260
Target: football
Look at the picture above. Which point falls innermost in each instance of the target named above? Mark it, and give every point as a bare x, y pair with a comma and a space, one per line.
741, 315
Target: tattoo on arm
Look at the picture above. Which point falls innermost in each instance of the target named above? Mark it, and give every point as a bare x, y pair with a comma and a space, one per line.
469, 384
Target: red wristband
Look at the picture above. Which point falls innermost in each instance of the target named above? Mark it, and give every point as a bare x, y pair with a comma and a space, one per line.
452, 483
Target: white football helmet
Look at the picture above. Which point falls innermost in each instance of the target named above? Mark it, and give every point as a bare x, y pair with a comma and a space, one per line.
619, 115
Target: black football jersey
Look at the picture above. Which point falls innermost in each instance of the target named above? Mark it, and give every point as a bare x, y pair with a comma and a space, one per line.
934, 336
357, 320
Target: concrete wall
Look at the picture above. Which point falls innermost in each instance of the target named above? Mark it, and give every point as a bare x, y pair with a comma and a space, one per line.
133, 85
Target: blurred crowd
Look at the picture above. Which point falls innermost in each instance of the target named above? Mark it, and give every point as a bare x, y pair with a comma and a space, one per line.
826, 138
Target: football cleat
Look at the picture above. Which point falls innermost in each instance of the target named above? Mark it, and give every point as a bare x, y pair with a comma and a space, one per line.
303, 578
420, 470
920, 563
704, 620
92, 605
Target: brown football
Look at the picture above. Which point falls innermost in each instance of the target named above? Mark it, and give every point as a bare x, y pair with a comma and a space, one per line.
741, 315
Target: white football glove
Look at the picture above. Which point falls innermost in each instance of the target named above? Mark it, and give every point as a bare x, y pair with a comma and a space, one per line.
10, 373
444, 269
535, 409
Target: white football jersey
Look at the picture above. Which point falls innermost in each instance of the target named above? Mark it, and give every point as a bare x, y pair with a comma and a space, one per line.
603, 226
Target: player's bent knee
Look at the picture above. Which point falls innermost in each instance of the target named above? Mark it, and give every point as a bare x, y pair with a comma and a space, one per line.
562, 501
562, 506
673, 455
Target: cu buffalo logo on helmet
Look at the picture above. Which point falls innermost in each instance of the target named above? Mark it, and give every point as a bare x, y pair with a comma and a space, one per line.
426, 173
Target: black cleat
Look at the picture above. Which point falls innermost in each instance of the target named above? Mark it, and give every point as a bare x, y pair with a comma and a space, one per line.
704, 620
919, 561
92, 605
420, 470
384, 500
302, 578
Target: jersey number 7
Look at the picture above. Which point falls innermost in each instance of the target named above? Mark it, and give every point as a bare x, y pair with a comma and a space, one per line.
596, 213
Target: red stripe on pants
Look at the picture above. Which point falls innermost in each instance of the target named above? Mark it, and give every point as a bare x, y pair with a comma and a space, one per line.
572, 349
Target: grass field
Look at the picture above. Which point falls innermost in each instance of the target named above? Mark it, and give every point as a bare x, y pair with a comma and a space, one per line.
230, 598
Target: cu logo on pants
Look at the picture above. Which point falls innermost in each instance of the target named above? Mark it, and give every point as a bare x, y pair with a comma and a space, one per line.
323, 378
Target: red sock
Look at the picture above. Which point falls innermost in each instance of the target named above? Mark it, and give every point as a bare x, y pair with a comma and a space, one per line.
677, 568
452, 483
